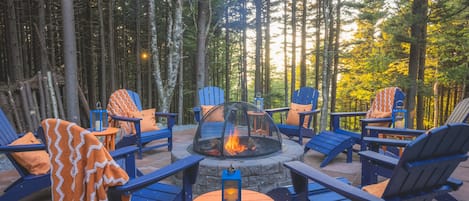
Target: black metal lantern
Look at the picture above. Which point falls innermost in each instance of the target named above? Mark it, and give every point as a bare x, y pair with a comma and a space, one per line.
98, 118
231, 185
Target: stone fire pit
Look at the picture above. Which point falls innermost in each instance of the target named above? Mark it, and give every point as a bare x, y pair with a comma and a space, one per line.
241, 135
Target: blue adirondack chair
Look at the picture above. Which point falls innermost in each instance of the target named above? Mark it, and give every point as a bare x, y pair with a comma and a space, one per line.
140, 187
302, 96
422, 173
460, 114
208, 96
141, 139
332, 143
27, 183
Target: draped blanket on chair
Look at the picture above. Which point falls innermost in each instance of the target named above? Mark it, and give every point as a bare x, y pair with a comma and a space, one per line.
81, 168
382, 105
121, 104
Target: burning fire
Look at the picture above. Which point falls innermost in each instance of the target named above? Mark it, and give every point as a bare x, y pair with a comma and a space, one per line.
232, 146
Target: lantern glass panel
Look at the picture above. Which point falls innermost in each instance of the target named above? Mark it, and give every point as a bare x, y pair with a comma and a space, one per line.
98, 120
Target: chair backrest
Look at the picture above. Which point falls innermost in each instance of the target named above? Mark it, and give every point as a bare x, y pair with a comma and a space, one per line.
386, 99
136, 98
460, 113
429, 160
122, 103
7, 132
306, 95
81, 168
211, 96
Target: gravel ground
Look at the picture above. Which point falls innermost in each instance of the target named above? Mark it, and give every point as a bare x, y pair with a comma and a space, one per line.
6, 165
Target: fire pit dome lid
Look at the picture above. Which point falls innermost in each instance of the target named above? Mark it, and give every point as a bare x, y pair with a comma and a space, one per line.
236, 130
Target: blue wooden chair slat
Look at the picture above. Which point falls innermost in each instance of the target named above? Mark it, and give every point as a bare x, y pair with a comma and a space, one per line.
422, 173
349, 138
27, 183
142, 139
303, 96
208, 96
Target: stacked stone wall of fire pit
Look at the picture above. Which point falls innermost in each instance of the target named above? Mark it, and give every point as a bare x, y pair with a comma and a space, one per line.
258, 173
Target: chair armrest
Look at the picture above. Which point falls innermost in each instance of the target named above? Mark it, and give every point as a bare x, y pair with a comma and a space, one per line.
190, 162
22, 148
348, 114
374, 130
385, 141
376, 120
166, 114
378, 158
303, 172
130, 119
273, 110
336, 116
197, 111
309, 112
171, 117
121, 152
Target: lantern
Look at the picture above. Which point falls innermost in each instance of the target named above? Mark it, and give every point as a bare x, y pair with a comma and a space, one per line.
231, 185
399, 115
98, 118
259, 102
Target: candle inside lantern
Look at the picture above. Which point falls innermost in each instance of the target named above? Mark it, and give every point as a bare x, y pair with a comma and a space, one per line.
97, 125
231, 194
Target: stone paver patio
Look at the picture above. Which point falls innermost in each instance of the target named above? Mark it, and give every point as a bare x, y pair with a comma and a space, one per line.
155, 159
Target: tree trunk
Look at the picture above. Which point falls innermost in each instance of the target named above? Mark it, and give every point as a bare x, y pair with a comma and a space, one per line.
227, 57
112, 51
244, 86
416, 30
326, 65
203, 26
285, 53
174, 41
336, 58
42, 36
139, 49
422, 15
436, 106
293, 48
102, 41
257, 74
16, 65
267, 95
303, 46
70, 55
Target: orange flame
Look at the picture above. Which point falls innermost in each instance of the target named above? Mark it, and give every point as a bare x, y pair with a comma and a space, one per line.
232, 146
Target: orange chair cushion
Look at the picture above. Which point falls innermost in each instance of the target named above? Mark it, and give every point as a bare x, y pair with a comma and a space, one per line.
293, 118
215, 116
36, 162
148, 122
376, 189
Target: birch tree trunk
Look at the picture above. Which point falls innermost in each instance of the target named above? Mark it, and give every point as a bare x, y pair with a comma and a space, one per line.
174, 42
70, 55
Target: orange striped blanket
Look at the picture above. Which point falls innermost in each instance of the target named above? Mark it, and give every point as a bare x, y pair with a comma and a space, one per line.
120, 104
383, 104
81, 168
